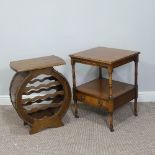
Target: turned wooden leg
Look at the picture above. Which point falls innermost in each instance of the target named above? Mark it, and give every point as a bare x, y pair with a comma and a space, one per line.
135, 107
111, 121
111, 104
136, 86
100, 73
25, 123
75, 109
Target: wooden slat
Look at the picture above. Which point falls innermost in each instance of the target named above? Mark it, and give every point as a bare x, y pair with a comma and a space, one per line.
40, 90
41, 80
36, 63
44, 107
41, 87
39, 99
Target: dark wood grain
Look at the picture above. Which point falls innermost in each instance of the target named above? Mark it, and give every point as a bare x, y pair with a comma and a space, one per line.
104, 55
41, 80
56, 92
42, 87
74, 89
105, 93
36, 63
99, 88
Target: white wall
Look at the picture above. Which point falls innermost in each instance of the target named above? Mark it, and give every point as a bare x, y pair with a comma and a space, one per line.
32, 28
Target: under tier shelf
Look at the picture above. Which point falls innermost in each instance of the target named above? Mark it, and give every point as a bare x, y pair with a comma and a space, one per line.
99, 88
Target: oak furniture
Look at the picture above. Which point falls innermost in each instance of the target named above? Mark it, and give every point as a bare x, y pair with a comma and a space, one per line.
40, 94
101, 92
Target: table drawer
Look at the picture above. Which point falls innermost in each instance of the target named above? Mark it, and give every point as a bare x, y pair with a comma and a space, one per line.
91, 101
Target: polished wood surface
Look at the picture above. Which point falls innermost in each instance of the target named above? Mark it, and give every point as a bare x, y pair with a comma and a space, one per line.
100, 88
41, 97
36, 63
105, 93
104, 55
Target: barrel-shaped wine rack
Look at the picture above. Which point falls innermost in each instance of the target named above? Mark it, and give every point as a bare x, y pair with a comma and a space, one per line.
41, 96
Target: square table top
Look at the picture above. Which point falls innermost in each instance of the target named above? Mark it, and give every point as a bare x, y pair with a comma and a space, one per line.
104, 55
36, 63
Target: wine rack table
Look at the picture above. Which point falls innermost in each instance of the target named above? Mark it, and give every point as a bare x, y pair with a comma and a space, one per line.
40, 94
101, 92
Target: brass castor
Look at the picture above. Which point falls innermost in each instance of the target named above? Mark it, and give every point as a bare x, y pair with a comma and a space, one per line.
40, 94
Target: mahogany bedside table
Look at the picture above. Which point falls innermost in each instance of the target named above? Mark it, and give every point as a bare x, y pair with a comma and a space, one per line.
105, 93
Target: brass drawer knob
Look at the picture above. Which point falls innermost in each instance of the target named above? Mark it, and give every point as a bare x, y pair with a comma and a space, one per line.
99, 102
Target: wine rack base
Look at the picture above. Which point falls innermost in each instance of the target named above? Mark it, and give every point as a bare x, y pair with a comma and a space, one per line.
40, 94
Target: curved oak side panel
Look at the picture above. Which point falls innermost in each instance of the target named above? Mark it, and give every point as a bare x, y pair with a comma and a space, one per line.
41, 97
